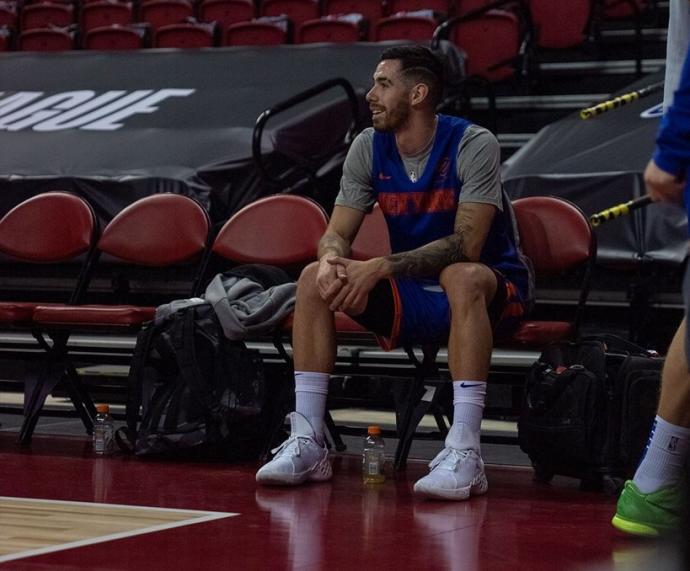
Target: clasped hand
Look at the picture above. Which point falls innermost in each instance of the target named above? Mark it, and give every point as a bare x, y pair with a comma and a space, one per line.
345, 284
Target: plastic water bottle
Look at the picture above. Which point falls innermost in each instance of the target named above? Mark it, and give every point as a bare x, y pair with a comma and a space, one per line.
103, 431
373, 457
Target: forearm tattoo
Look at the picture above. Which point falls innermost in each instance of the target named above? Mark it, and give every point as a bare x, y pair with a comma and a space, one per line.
428, 260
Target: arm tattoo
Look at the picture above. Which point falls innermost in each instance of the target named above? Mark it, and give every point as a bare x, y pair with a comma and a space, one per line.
428, 260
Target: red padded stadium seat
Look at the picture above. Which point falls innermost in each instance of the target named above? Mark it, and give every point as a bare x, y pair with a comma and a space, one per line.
557, 237
259, 32
17, 312
491, 41
405, 26
560, 25
165, 12
94, 315
372, 10
185, 36
281, 230
64, 227
105, 13
298, 11
335, 29
113, 38
226, 12
45, 15
46, 40
255, 234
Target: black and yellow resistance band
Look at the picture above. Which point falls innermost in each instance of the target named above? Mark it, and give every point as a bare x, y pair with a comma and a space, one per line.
619, 210
621, 100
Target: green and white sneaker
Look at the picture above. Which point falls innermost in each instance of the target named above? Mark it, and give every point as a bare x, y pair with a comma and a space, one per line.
649, 515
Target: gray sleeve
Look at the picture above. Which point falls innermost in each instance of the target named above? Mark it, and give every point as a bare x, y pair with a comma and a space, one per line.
355, 185
478, 163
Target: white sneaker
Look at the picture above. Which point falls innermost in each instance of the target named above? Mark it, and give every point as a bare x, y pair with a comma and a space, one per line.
457, 472
455, 475
299, 459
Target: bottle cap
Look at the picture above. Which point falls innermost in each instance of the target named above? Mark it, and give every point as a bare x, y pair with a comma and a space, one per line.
102, 408
374, 430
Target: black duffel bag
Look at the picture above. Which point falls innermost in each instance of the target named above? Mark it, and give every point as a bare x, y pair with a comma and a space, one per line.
588, 410
192, 391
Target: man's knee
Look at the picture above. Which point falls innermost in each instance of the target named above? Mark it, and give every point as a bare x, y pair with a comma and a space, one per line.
468, 283
306, 285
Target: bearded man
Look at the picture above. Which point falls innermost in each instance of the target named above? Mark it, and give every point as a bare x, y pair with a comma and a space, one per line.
456, 273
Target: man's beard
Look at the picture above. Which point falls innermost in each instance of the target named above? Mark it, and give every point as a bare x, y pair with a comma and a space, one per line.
395, 117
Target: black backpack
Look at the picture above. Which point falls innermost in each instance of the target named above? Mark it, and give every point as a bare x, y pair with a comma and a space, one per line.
197, 392
588, 410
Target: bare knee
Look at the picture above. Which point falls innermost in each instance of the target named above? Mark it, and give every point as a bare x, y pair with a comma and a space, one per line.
468, 283
306, 285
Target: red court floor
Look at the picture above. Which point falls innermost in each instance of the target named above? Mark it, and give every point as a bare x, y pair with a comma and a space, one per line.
336, 525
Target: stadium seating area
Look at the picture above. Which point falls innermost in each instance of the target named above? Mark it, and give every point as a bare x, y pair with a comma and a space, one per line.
165, 230
241, 22
478, 26
526, 57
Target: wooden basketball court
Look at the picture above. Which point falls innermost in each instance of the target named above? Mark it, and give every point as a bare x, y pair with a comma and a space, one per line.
31, 527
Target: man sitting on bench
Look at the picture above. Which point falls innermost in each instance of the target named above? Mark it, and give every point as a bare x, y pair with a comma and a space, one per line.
456, 275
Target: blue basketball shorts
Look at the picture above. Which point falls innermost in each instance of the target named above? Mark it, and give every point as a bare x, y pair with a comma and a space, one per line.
406, 311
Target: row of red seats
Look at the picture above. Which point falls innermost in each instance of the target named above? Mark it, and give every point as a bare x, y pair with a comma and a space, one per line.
492, 44
553, 18
495, 41
165, 230
225, 12
192, 34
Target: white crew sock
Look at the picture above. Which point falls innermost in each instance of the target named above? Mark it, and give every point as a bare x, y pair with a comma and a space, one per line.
468, 408
311, 391
663, 461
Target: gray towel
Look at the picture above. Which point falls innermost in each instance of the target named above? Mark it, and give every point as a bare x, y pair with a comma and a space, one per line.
245, 309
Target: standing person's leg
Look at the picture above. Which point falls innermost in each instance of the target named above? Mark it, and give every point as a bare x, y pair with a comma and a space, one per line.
458, 471
674, 401
651, 503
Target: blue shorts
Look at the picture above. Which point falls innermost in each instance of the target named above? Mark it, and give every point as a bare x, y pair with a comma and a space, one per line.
408, 311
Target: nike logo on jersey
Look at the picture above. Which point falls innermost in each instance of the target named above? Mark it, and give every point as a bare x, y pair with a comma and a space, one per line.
384, 176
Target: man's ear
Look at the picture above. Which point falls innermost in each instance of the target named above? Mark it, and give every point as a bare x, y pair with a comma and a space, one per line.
419, 93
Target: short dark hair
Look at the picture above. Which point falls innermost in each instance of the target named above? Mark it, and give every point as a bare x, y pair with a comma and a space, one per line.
421, 65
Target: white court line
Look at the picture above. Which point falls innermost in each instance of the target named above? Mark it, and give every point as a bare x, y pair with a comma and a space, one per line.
204, 517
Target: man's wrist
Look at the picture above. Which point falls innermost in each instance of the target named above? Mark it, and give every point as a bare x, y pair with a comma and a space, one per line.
327, 255
384, 269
